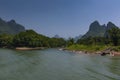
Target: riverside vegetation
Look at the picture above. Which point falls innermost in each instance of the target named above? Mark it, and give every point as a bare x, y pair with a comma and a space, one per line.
14, 35
96, 44
99, 39
29, 38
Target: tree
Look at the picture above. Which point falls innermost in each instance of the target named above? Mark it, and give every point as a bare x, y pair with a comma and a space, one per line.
57, 42
30, 38
114, 35
70, 41
5, 40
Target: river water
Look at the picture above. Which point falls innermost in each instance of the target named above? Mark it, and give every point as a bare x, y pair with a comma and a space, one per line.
52, 64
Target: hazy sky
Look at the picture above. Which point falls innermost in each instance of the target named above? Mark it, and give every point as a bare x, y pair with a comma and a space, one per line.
63, 17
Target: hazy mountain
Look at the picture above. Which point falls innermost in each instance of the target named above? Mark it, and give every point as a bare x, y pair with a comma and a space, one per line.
96, 29
77, 37
10, 27
56, 36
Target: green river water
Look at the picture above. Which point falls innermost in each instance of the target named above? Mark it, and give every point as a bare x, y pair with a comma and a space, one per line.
52, 64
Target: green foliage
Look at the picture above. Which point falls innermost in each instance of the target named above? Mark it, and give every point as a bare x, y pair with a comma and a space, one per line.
92, 44
57, 42
30, 38
114, 34
93, 41
5, 40
116, 48
70, 41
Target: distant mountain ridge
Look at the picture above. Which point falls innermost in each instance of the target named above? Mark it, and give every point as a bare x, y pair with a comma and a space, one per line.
10, 27
56, 36
77, 37
97, 30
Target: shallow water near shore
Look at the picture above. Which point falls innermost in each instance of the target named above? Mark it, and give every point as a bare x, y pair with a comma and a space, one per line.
52, 64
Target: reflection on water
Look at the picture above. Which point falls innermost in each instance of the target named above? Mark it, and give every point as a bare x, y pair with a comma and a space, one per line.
52, 64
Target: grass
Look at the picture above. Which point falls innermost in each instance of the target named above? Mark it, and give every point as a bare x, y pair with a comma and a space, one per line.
89, 48
116, 48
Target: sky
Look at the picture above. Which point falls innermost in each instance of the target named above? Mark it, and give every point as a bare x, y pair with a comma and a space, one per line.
66, 18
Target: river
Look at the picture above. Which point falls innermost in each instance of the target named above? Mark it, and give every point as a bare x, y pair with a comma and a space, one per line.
52, 64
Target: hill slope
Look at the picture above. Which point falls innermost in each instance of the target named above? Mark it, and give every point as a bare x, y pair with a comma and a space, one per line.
10, 27
97, 30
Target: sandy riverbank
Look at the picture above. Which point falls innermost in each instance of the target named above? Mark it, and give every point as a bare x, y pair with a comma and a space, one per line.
28, 48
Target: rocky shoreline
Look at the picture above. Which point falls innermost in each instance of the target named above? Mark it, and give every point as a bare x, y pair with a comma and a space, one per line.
105, 52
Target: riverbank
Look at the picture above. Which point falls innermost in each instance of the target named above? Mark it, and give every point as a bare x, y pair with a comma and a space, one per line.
29, 48
95, 49
102, 53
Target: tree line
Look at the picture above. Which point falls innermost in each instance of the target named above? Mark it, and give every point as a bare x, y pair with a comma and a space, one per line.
30, 38
112, 39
